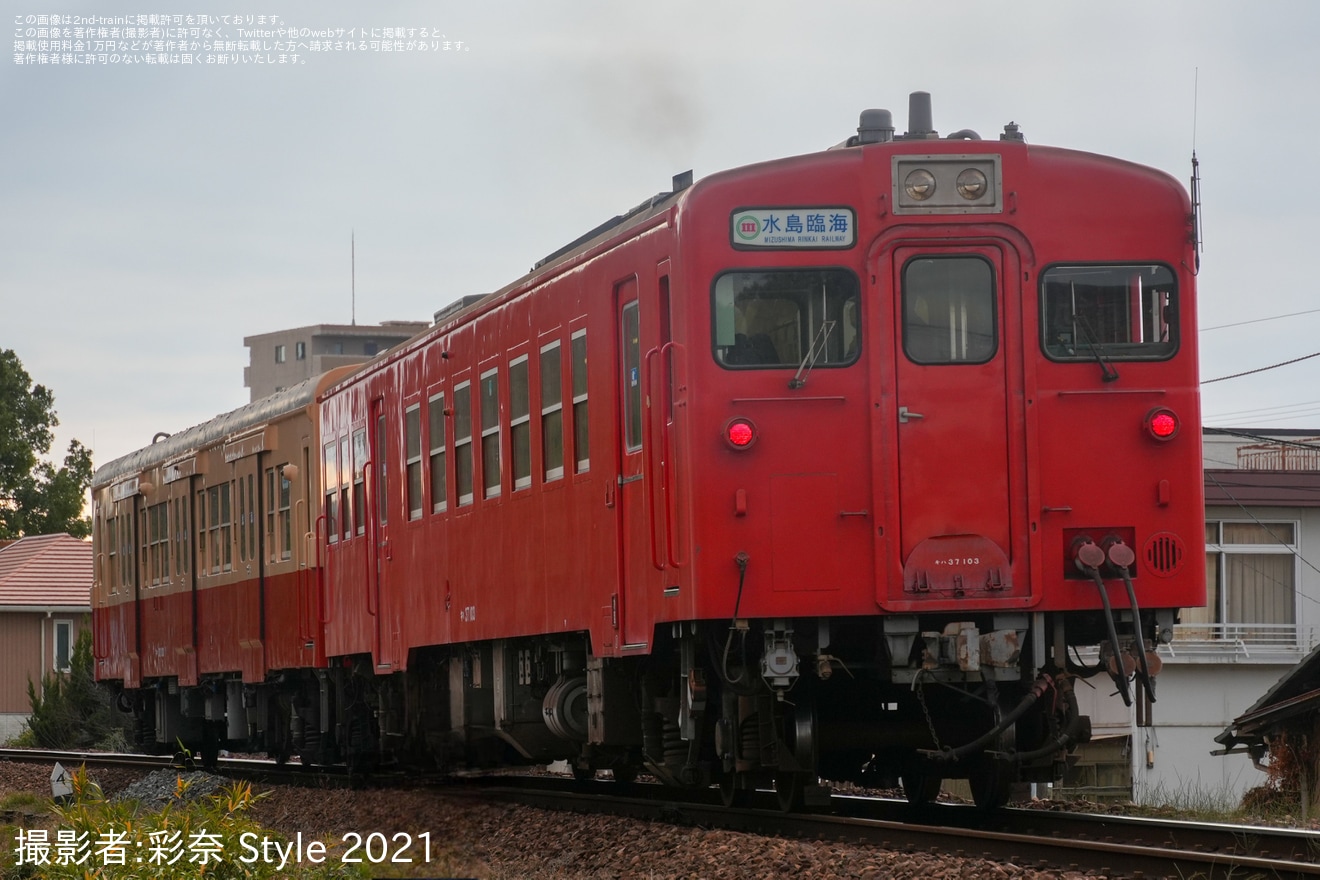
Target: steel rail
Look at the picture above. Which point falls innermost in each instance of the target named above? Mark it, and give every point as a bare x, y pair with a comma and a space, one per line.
1130, 846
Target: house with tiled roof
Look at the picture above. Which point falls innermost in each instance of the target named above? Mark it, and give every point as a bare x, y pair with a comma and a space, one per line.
45, 601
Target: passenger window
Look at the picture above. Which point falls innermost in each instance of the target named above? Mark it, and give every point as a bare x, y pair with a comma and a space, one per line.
439, 486
412, 435
463, 443
520, 423
775, 318
949, 311
552, 412
331, 494
490, 433
581, 430
1109, 312
632, 378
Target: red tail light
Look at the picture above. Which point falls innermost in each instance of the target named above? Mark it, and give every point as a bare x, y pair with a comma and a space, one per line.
1162, 423
740, 433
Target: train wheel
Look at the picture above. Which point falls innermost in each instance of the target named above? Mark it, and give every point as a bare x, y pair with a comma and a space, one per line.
921, 788
788, 790
991, 782
583, 774
732, 792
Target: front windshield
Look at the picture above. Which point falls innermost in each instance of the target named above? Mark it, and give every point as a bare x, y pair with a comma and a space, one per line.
1109, 312
770, 318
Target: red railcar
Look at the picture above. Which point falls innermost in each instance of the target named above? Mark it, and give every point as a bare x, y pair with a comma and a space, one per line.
815, 468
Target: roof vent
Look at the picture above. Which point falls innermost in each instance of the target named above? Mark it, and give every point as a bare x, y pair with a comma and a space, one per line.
875, 127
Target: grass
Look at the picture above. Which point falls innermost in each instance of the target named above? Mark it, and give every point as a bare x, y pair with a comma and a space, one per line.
70, 840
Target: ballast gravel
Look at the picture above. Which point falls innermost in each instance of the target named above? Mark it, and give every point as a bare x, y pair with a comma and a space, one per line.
471, 838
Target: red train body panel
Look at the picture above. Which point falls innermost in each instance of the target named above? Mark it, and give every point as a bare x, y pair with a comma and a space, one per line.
908, 408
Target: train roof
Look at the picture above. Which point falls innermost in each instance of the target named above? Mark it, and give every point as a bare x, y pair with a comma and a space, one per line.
213, 431
875, 128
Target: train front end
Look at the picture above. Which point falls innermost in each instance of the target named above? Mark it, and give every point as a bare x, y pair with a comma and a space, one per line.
944, 430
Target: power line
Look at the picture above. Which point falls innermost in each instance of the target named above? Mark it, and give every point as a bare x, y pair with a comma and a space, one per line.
1259, 320
1262, 369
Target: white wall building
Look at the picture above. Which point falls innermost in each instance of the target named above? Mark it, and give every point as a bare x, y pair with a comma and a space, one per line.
1262, 617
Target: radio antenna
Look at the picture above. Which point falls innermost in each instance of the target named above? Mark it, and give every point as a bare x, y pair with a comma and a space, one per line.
1197, 240
352, 270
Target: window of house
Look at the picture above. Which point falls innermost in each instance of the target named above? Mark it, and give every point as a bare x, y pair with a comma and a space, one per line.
552, 412
412, 440
279, 354
1251, 582
63, 656
370, 349
581, 432
520, 424
300, 351
435, 414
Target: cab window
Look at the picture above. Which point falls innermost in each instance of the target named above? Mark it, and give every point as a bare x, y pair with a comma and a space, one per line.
1123, 312
949, 311
774, 318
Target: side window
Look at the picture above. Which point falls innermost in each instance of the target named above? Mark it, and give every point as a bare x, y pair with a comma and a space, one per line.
520, 424
552, 412
463, 443
581, 432
435, 411
346, 515
220, 529
110, 538
1119, 312
331, 484
160, 537
632, 377
359, 481
490, 433
203, 565
285, 515
949, 311
781, 317
242, 521
252, 515
412, 429
63, 659
126, 549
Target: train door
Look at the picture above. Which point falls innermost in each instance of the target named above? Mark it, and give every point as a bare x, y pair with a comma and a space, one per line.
638, 554
955, 380
387, 637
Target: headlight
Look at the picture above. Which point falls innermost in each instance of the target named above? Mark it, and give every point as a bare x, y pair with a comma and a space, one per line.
920, 184
971, 184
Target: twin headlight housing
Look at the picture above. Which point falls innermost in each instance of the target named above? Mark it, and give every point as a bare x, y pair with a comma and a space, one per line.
947, 184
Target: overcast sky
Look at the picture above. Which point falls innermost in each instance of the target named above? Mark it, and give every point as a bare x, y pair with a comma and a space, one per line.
151, 216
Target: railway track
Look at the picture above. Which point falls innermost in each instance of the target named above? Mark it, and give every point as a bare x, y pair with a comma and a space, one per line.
1115, 845
1131, 846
